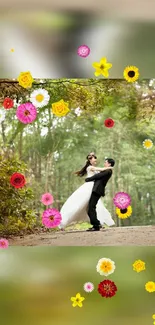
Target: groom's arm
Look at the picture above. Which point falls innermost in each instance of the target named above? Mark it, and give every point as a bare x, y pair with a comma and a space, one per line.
98, 176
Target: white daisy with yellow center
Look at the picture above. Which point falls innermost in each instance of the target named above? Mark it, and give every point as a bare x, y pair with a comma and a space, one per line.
147, 144
105, 266
39, 97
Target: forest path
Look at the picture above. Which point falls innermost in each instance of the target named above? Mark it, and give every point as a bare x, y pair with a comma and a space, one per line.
122, 236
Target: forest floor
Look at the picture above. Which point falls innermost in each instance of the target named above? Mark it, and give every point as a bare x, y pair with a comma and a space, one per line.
122, 236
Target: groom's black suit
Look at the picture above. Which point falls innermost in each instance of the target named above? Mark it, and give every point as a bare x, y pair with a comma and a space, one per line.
100, 180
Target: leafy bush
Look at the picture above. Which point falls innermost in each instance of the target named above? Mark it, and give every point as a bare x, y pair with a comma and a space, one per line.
15, 204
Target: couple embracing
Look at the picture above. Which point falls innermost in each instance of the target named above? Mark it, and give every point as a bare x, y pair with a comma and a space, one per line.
85, 203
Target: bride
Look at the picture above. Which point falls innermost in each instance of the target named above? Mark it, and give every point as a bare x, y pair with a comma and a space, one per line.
75, 208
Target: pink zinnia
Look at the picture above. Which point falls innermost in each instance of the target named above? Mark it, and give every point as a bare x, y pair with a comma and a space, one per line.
47, 199
26, 113
51, 218
122, 200
83, 51
88, 287
4, 243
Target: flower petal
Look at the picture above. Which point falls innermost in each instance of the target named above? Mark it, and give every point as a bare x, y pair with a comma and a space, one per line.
73, 299
103, 61
105, 73
97, 72
96, 65
108, 65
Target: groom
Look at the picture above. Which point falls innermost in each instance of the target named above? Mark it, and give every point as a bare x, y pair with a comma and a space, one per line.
100, 182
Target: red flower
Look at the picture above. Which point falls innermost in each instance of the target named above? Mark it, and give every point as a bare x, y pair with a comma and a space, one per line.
109, 123
17, 180
8, 103
107, 288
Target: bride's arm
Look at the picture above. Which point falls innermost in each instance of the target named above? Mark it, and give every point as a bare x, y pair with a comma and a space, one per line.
99, 169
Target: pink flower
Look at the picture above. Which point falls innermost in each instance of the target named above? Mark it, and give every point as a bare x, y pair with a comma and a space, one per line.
122, 200
4, 243
26, 113
51, 218
83, 51
88, 287
47, 199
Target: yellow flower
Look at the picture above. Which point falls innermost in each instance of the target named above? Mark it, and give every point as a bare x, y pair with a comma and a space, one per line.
124, 213
153, 316
150, 286
12, 50
77, 301
138, 266
25, 79
102, 67
131, 73
147, 144
60, 108
105, 266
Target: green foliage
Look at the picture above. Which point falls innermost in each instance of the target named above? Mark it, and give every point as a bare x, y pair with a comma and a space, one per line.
15, 212
56, 147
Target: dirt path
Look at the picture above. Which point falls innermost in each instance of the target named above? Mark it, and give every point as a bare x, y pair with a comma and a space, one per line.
123, 236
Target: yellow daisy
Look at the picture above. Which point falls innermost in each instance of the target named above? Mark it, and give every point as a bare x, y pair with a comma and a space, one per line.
150, 286
77, 300
138, 266
105, 266
147, 144
102, 67
124, 213
131, 73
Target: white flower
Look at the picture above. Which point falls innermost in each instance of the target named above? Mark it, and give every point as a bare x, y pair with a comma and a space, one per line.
88, 287
147, 144
105, 266
39, 97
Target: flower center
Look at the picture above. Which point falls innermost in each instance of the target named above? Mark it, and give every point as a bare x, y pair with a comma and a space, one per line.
148, 143
25, 78
17, 180
106, 266
51, 218
77, 299
102, 67
39, 98
131, 73
60, 108
123, 210
107, 288
26, 112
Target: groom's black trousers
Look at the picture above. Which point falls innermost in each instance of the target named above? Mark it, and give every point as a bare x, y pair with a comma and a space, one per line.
92, 210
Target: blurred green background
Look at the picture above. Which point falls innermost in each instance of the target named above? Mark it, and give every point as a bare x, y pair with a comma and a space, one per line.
36, 285
46, 40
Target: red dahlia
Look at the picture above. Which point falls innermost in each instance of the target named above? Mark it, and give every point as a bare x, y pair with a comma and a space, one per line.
17, 180
8, 103
109, 123
107, 288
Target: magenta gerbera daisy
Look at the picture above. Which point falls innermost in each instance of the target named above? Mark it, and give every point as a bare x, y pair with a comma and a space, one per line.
51, 218
47, 199
83, 51
4, 243
122, 200
26, 113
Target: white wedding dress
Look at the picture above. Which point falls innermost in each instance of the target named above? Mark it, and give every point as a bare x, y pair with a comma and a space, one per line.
75, 208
